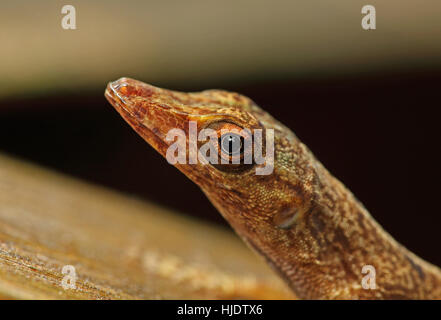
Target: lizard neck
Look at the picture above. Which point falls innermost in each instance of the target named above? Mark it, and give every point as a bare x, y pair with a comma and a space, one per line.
334, 245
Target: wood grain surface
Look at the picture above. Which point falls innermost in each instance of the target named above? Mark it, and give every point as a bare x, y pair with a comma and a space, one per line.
120, 247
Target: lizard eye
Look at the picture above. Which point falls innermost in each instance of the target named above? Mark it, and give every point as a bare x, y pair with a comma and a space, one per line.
232, 144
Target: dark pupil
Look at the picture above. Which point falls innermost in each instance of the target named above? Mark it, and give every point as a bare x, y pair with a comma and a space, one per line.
231, 143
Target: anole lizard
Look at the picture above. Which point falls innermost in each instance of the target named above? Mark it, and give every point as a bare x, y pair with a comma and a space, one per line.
306, 224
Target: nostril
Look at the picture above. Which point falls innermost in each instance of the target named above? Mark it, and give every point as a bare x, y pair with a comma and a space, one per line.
123, 89
119, 88
127, 87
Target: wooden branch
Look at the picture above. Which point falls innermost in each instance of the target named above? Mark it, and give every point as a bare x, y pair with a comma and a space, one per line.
119, 247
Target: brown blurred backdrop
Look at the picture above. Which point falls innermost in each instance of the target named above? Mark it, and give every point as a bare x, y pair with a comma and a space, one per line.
365, 102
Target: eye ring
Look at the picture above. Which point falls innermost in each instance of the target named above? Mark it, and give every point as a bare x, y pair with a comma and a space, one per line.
244, 151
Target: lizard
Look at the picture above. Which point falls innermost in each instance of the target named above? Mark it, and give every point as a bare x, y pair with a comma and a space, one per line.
303, 221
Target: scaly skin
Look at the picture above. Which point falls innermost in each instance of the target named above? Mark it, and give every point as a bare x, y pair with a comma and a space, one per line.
301, 219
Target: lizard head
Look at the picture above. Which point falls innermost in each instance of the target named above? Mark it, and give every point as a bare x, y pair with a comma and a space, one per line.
244, 192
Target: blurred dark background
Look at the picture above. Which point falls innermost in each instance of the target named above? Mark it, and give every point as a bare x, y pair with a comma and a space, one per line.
365, 102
